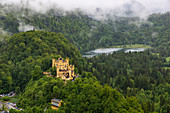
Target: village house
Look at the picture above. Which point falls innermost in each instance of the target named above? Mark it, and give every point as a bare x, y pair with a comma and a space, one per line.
55, 103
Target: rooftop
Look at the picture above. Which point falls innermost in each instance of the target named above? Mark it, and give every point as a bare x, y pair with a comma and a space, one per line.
58, 100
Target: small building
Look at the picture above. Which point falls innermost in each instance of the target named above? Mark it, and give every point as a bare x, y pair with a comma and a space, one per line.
48, 74
55, 103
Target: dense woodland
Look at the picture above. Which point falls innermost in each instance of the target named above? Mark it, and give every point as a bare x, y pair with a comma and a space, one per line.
87, 33
82, 95
118, 82
135, 74
23, 66
27, 55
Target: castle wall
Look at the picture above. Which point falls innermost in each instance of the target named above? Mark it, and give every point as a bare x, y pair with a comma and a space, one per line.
63, 69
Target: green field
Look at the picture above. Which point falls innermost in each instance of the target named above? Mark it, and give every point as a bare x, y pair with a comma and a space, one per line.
133, 46
14, 100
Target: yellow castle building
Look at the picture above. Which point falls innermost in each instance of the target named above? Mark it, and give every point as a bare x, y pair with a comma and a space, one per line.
63, 69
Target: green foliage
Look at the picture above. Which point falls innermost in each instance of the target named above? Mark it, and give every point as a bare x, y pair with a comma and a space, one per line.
87, 33
39, 93
82, 95
14, 100
9, 23
28, 54
53, 70
17, 90
134, 74
6, 98
37, 72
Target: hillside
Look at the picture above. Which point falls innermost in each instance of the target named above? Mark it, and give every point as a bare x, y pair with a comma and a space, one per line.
142, 75
26, 55
87, 33
82, 95
25, 52
119, 82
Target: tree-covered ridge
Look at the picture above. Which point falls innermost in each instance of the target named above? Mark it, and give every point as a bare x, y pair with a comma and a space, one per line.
38, 43
76, 28
25, 56
128, 64
87, 33
8, 20
9, 23
135, 74
82, 95
28, 54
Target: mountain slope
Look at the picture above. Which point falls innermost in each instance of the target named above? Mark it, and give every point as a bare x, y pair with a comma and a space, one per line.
82, 95
87, 33
24, 52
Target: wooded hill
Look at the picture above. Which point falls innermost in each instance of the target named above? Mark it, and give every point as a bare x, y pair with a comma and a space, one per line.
87, 33
142, 75
26, 55
126, 82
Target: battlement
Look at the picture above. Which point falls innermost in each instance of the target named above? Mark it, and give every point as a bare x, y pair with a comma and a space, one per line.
63, 69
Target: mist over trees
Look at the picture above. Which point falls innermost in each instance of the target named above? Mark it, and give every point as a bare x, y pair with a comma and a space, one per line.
87, 33
117, 82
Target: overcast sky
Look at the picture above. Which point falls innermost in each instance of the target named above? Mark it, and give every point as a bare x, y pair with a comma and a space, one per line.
148, 6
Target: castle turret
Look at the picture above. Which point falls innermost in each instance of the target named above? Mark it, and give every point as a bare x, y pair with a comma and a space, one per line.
67, 60
53, 62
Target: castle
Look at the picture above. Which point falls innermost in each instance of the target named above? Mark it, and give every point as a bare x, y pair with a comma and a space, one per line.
63, 69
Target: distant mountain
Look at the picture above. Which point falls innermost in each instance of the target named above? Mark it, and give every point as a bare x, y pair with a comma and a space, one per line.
84, 31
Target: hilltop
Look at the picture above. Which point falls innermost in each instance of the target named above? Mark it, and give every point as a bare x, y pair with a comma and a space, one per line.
116, 82
25, 52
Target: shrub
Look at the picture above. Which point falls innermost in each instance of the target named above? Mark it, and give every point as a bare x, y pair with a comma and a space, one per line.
6, 98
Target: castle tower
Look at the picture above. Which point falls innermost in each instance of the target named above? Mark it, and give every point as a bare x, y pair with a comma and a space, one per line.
53, 62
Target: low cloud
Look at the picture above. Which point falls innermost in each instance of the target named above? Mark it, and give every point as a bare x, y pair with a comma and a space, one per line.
98, 8
3, 34
23, 27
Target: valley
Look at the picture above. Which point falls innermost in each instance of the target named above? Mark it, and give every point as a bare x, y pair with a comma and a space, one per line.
119, 64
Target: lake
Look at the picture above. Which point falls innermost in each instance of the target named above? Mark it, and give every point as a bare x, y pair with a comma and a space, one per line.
110, 50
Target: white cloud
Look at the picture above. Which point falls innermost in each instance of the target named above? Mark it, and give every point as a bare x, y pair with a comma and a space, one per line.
156, 5
119, 7
23, 27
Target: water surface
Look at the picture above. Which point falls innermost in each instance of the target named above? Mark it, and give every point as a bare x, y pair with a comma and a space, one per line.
96, 52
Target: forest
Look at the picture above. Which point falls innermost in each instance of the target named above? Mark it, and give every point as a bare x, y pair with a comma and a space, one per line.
134, 82
142, 75
87, 33
26, 55
22, 68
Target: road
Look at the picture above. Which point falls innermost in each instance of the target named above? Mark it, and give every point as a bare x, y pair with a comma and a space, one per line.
1, 105
8, 106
